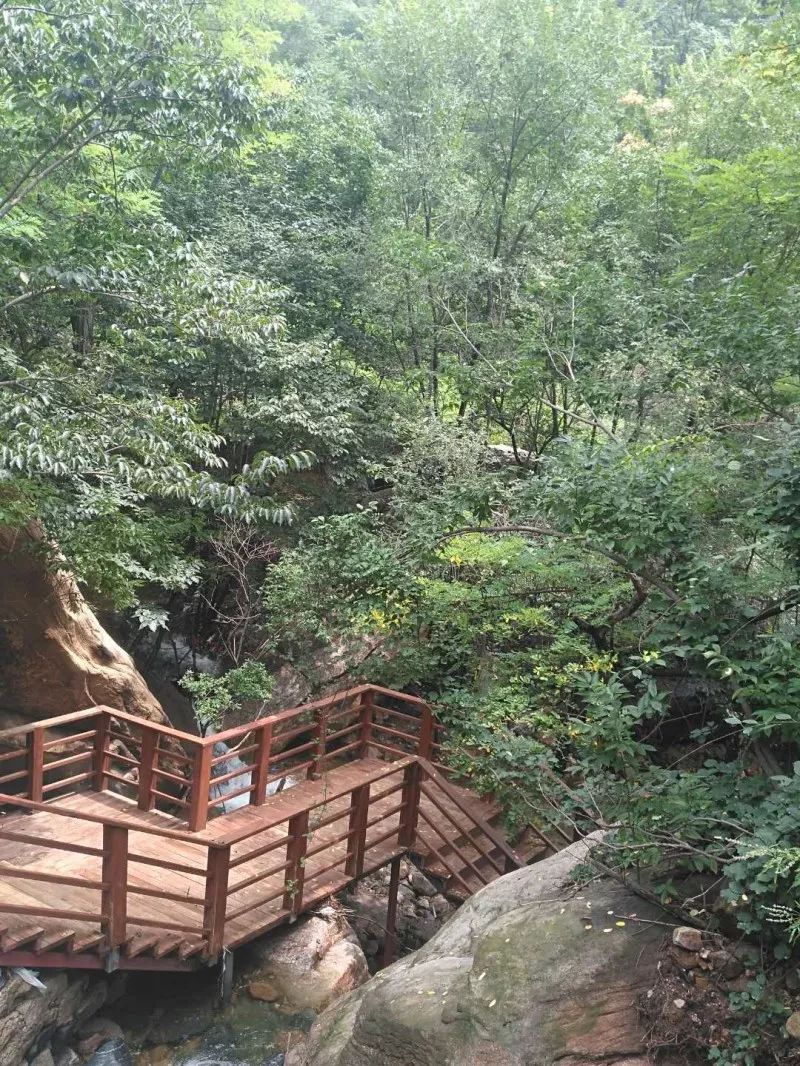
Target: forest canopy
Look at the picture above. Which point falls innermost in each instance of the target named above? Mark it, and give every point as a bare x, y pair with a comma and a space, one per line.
459, 337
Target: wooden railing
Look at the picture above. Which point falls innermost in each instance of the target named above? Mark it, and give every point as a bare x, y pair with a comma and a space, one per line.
114, 885
146, 761
301, 874
312, 738
165, 768
302, 862
450, 830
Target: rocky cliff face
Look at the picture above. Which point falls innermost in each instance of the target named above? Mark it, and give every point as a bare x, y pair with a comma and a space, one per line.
38, 1026
529, 972
55, 657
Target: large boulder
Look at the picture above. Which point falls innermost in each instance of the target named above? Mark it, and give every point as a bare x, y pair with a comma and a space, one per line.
310, 964
31, 1020
529, 972
55, 657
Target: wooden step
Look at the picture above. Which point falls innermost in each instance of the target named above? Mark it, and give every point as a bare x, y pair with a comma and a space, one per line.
455, 886
167, 945
141, 944
86, 942
473, 841
190, 948
60, 939
457, 892
529, 847
531, 851
13, 941
485, 807
475, 856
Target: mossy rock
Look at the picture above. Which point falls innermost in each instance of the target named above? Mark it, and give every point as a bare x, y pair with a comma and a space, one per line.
528, 973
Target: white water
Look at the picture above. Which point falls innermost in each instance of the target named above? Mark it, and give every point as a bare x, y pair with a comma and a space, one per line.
243, 780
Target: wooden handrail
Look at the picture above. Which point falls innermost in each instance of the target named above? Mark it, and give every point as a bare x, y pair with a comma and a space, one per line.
513, 860
354, 713
283, 716
50, 723
165, 730
237, 836
225, 735
198, 751
418, 777
102, 819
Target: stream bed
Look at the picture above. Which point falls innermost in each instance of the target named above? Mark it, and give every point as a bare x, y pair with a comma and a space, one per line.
163, 1028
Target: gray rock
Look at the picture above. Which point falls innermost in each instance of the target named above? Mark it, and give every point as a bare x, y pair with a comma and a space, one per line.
26, 1014
103, 1026
421, 884
44, 1058
526, 973
687, 938
441, 906
67, 1057
94, 1032
313, 962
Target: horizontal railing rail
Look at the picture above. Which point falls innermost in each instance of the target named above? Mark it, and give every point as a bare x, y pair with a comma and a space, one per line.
308, 740
160, 767
146, 761
299, 860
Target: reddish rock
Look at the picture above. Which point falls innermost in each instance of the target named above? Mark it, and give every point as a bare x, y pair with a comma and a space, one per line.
57, 657
311, 964
516, 977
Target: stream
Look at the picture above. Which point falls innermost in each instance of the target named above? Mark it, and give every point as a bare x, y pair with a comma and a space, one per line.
170, 1024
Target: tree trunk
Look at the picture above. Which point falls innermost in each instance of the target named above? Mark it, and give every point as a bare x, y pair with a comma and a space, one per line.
55, 657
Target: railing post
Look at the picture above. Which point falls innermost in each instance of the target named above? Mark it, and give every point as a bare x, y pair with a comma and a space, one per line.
36, 764
100, 755
201, 783
367, 713
146, 766
296, 860
357, 831
412, 779
261, 768
216, 898
317, 767
390, 939
425, 746
115, 885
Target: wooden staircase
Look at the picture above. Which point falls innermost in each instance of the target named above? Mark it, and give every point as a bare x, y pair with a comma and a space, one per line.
114, 853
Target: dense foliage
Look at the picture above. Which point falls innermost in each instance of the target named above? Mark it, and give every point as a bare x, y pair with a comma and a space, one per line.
458, 334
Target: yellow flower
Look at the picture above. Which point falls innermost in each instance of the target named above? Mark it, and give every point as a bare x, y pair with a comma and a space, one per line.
632, 98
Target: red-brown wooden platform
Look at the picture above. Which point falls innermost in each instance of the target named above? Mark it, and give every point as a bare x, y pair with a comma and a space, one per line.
129, 864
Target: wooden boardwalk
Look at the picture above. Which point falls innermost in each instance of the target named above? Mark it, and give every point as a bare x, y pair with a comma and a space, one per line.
136, 877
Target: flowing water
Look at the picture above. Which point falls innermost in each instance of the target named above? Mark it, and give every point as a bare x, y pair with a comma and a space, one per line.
175, 1021
241, 781
248, 1033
